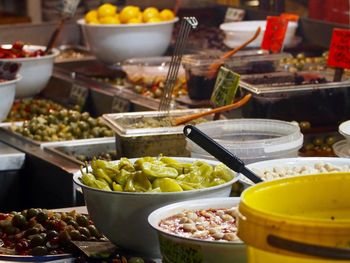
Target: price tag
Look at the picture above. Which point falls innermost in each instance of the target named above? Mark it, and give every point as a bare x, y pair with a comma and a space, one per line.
120, 105
290, 17
339, 51
78, 95
225, 88
234, 14
275, 32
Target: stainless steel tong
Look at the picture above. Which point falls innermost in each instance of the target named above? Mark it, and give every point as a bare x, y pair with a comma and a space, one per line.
187, 23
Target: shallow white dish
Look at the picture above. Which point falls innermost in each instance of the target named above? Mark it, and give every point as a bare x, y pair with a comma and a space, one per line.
122, 216
173, 246
115, 43
259, 167
35, 71
236, 33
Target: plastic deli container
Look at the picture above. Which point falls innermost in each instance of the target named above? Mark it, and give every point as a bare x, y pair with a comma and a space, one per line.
149, 133
282, 220
197, 66
251, 140
304, 96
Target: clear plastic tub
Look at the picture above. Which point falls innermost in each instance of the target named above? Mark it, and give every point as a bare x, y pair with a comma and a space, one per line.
251, 140
197, 67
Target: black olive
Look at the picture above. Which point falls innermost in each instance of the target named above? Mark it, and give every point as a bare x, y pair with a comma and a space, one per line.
51, 234
41, 217
36, 240
32, 212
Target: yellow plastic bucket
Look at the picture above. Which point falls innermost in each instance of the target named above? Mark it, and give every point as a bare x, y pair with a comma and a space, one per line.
312, 210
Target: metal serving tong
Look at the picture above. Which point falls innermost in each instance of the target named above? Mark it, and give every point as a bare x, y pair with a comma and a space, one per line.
186, 24
219, 152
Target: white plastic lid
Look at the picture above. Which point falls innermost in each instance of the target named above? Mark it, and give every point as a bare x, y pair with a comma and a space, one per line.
251, 138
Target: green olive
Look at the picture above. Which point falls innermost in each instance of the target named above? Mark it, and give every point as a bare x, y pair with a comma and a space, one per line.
82, 220
39, 251
317, 141
42, 217
36, 240
330, 140
19, 221
84, 231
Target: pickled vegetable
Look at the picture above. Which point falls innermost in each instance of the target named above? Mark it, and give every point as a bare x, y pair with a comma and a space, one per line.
154, 174
63, 125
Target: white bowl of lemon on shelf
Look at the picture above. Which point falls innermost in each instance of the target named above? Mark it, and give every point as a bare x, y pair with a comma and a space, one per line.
114, 35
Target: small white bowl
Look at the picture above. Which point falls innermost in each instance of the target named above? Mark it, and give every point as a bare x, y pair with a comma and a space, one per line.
344, 129
115, 43
236, 33
122, 216
35, 71
306, 162
178, 249
7, 96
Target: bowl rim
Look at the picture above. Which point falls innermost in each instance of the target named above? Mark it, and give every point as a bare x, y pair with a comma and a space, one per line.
153, 218
12, 81
82, 23
54, 53
237, 177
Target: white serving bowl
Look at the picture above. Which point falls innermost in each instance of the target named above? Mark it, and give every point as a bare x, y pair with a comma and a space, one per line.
236, 33
122, 216
306, 164
115, 43
7, 96
344, 129
35, 71
175, 249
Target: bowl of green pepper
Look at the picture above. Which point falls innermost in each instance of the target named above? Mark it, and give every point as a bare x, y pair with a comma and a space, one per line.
120, 195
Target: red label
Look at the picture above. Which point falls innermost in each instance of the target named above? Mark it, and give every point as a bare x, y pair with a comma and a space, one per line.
290, 17
275, 32
339, 51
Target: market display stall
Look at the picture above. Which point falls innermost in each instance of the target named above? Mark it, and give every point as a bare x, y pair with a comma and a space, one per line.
81, 130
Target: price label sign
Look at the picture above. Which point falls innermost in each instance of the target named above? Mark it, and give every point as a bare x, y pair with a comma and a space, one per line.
275, 32
339, 51
120, 105
234, 14
225, 88
78, 95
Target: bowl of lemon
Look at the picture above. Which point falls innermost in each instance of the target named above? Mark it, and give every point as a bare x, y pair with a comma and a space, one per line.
114, 35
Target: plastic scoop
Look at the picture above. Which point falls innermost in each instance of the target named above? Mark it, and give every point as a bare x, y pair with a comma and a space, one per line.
214, 67
219, 152
187, 118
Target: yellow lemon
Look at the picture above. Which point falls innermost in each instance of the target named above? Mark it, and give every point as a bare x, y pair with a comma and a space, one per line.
135, 20
148, 13
106, 10
91, 16
154, 20
109, 20
128, 13
166, 15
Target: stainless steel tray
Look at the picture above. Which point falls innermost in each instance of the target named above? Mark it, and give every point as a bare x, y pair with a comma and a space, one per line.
89, 148
265, 89
115, 122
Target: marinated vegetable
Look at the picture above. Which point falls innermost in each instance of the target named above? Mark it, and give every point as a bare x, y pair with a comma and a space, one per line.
108, 156
40, 232
17, 51
301, 62
26, 109
63, 125
206, 224
151, 174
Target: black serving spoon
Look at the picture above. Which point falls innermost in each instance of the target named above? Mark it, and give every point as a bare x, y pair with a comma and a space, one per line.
219, 152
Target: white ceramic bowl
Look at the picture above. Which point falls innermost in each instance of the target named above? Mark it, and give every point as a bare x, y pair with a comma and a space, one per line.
175, 249
115, 43
122, 216
7, 96
344, 129
35, 71
306, 164
236, 33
